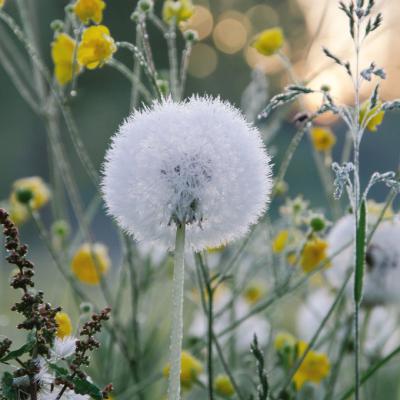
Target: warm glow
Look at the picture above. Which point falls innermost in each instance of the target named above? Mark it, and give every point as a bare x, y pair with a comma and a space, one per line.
230, 35
202, 22
203, 61
335, 35
269, 65
262, 17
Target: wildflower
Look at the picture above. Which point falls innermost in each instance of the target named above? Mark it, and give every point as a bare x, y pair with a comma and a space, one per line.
382, 271
30, 190
254, 293
177, 10
62, 53
196, 162
280, 241
191, 367
223, 386
314, 252
269, 42
374, 116
2, 2
96, 47
323, 139
18, 213
63, 347
90, 262
283, 340
64, 324
314, 368
87, 10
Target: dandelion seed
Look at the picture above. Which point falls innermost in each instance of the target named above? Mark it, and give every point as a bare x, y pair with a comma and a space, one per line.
64, 325
62, 53
90, 262
96, 47
87, 10
269, 42
196, 161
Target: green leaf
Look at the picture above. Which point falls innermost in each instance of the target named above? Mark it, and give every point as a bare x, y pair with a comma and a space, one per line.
60, 372
26, 348
7, 387
82, 386
360, 253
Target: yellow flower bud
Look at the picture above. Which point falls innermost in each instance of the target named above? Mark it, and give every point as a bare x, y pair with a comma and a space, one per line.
284, 339
223, 386
87, 10
90, 262
177, 10
269, 41
314, 253
64, 325
39, 193
280, 241
374, 116
323, 139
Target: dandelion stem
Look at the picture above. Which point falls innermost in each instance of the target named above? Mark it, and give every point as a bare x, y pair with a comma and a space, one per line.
174, 384
173, 59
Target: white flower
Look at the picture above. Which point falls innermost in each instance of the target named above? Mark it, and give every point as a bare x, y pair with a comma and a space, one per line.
63, 348
382, 268
382, 334
196, 161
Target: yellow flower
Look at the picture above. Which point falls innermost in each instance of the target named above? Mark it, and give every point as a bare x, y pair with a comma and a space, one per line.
62, 53
35, 188
314, 252
215, 250
96, 47
314, 368
367, 114
87, 10
89, 263
284, 339
223, 386
18, 213
323, 139
177, 10
64, 325
269, 42
254, 293
280, 241
191, 367
2, 2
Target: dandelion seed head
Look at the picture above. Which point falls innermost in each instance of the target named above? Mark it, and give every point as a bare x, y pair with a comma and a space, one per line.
197, 162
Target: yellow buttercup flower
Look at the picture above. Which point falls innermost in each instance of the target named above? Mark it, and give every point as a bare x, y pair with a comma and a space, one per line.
37, 192
2, 2
96, 47
314, 252
254, 293
284, 339
177, 10
314, 368
269, 42
374, 116
64, 325
280, 241
323, 139
87, 10
191, 367
90, 262
18, 213
223, 386
62, 53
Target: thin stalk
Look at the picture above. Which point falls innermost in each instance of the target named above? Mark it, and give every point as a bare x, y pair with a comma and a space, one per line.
174, 382
173, 59
136, 73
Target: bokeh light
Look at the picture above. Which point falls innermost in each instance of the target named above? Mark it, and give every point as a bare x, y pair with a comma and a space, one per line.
203, 62
202, 22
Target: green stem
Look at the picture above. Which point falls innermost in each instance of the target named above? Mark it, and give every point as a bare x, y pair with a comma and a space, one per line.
174, 384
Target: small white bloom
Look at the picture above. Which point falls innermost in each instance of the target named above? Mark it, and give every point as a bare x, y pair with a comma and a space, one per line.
197, 161
63, 347
382, 268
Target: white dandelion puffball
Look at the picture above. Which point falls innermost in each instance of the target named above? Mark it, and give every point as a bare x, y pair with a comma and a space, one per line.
197, 162
382, 263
